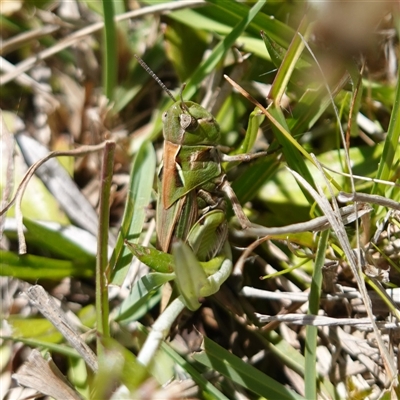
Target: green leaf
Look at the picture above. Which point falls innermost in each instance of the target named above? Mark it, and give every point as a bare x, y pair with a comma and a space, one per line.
140, 188
66, 242
276, 52
289, 63
34, 328
247, 185
184, 47
153, 258
190, 276
221, 48
137, 78
34, 267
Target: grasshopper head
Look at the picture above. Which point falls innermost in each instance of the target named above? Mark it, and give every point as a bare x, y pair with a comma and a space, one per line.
187, 123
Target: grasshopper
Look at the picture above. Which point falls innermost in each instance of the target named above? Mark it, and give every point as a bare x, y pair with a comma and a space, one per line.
192, 185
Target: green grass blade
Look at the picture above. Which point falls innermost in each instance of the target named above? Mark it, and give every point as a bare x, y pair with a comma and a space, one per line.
110, 50
209, 391
277, 30
288, 64
391, 154
232, 367
54, 347
292, 155
310, 373
254, 177
219, 51
138, 302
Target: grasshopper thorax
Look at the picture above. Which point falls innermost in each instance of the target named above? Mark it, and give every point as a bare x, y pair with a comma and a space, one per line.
187, 123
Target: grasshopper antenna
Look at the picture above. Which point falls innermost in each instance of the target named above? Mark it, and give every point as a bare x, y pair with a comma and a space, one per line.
183, 104
154, 76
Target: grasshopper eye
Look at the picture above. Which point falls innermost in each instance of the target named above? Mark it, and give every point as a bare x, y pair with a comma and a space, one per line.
188, 122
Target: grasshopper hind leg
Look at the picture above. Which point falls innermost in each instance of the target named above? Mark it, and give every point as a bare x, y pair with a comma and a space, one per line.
208, 235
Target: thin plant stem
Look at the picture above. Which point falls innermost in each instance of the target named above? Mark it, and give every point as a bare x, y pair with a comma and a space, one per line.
102, 308
110, 50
